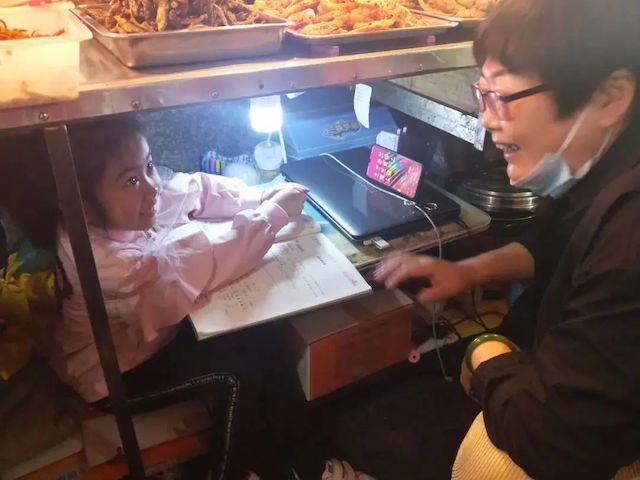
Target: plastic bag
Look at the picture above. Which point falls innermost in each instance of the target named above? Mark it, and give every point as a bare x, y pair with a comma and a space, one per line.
27, 308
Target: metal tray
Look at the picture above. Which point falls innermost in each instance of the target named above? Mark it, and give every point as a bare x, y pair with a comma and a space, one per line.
462, 21
439, 26
187, 46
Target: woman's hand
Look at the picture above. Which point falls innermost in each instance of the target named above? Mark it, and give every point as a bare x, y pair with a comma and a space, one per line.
447, 279
291, 198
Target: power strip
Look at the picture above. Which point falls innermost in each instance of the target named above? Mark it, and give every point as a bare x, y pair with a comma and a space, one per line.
432, 343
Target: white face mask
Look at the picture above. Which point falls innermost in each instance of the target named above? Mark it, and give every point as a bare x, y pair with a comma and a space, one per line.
552, 176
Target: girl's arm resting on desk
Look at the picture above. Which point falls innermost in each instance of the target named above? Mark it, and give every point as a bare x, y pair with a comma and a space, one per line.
204, 196
159, 285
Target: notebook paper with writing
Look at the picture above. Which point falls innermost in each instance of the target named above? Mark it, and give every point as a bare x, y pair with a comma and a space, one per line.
297, 275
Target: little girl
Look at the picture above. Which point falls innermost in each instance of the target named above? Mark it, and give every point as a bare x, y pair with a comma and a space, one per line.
150, 281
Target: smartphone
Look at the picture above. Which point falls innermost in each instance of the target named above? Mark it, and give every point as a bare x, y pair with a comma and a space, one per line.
394, 171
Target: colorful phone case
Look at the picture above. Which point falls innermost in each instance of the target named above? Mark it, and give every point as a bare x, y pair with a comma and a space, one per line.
395, 171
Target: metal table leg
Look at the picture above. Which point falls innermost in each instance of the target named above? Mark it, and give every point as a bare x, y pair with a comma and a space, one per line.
71, 203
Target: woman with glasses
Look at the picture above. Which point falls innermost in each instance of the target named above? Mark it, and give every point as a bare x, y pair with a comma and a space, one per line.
559, 94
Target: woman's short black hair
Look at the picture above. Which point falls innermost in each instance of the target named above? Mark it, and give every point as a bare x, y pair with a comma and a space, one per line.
572, 45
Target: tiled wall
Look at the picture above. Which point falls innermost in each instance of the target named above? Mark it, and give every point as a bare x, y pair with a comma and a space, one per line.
179, 137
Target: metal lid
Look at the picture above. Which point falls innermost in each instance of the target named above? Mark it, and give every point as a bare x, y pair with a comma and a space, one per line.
492, 193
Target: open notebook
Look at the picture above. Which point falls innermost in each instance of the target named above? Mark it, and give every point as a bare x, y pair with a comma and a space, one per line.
303, 271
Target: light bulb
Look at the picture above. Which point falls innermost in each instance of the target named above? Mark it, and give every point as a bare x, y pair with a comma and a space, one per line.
265, 114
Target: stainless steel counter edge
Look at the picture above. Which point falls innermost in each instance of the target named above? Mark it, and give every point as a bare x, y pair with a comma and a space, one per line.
108, 87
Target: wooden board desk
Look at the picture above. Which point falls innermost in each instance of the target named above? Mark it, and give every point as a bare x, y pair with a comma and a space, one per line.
365, 256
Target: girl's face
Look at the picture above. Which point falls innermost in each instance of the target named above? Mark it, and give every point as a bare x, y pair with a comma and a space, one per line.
128, 188
530, 127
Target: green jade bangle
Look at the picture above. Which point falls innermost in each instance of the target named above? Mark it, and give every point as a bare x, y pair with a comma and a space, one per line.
484, 338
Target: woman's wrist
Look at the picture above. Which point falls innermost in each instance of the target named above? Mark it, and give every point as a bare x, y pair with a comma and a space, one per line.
486, 346
487, 351
471, 273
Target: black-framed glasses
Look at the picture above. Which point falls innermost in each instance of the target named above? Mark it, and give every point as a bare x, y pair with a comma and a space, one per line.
498, 103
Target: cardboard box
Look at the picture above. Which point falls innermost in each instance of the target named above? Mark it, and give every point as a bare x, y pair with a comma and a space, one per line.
102, 439
341, 344
68, 448
167, 437
159, 458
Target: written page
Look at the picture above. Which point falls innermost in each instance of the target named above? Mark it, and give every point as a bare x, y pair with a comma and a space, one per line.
297, 275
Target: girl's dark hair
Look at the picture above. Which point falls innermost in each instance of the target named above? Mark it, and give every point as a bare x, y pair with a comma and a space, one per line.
573, 45
92, 144
28, 192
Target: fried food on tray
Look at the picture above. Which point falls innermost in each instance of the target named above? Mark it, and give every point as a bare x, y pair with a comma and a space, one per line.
328, 17
458, 8
7, 33
412, 4
140, 16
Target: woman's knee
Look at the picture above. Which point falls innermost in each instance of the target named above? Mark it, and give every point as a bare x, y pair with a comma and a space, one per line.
479, 459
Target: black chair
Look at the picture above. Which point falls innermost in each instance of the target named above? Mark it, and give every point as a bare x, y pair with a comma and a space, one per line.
218, 391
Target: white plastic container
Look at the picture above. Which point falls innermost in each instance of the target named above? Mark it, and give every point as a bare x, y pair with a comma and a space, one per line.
268, 155
43, 69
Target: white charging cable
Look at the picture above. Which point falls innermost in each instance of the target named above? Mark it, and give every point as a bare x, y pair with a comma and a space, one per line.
284, 150
409, 203
415, 355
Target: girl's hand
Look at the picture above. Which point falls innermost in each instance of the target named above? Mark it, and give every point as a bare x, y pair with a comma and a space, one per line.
291, 198
269, 193
447, 279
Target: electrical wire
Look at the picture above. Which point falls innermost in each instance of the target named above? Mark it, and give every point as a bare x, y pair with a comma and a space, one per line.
413, 204
435, 228
479, 318
451, 325
472, 318
464, 225
446, 376
284, 150
409, 203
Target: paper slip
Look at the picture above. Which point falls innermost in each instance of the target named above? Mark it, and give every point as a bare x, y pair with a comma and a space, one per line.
295, 276
388, 140
362, 103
